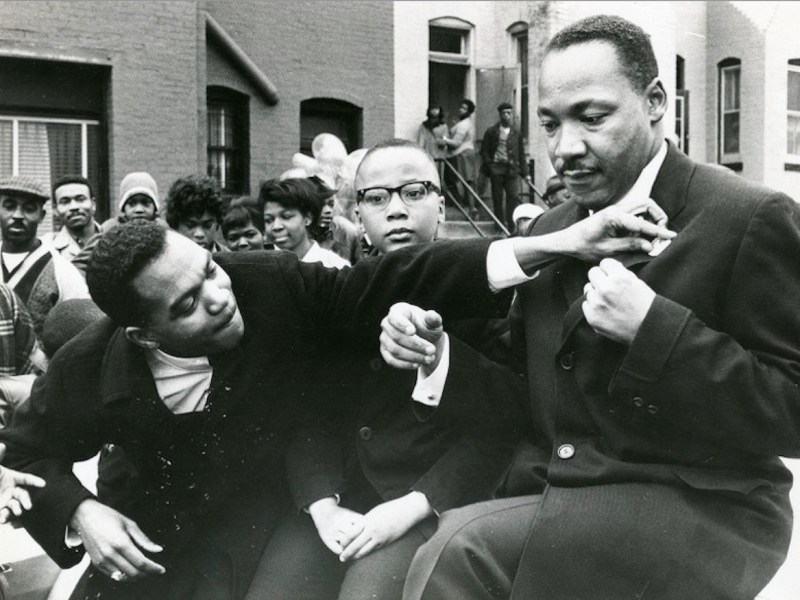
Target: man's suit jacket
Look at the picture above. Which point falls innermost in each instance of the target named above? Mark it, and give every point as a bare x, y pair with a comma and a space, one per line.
666, 449
194, 470
514, 145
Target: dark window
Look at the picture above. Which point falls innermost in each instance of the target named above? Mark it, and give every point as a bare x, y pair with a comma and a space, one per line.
228, 140
328, 115
444, 39
522, 58
681, 105
51, 124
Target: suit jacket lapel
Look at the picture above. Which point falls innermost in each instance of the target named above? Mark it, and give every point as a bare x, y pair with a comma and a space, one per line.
570, 273
672, 183
669, 192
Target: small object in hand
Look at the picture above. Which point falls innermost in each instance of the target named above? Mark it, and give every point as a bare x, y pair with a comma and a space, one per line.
659, 244
118, 576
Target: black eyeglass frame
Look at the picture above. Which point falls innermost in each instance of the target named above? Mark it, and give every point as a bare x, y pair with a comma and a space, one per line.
429, 187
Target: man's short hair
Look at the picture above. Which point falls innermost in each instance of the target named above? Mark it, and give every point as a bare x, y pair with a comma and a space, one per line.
67, 179
192, 196
242, 212
470, 105
298, 193
504, 106
120, 255
634, 50
395, 143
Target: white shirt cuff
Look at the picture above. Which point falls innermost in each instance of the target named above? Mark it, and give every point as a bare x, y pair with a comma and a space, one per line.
428, 390
502, 268
71, 538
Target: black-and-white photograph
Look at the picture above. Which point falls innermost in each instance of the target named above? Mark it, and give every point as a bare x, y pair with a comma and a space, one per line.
399, 300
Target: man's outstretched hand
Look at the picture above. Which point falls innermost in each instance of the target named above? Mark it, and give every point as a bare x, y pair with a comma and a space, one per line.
617, 229
14, 498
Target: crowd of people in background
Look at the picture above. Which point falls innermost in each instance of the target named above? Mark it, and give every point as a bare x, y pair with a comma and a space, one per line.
578, 410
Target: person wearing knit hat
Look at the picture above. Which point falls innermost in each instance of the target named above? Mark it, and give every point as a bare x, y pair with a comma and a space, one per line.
138, 197
138, 201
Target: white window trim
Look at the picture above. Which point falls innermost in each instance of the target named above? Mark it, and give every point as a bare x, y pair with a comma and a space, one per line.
15, 120
737, 156
456, 26
791, 158
680, 117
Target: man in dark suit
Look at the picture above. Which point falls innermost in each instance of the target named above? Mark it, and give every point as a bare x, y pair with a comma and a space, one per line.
663, 387
503, 160
193, 377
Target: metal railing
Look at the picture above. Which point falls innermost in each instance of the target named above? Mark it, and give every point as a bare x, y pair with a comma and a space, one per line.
470, 190
475, 195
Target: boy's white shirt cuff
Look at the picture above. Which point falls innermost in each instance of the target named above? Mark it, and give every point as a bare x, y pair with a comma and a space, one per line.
502, 267
71, 538
429, 390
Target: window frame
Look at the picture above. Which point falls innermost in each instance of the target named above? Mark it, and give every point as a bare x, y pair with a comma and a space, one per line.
792, 67
239, 150
15, 120
519, 32
453, 25
726, 68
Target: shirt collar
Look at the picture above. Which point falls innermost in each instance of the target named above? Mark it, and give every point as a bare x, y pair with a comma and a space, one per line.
63, 238
643, 187
314, 253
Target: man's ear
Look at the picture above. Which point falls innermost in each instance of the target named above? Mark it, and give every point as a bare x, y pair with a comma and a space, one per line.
442, 211
656, 100
141, 337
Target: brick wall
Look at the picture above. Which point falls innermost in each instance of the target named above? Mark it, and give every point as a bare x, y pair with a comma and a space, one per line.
160, 67
340, 50
152, 96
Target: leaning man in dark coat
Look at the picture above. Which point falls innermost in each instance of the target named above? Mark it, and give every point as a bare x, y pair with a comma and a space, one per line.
192, 376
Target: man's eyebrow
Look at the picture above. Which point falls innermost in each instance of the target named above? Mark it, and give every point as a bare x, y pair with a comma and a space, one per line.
174, 308
576, 108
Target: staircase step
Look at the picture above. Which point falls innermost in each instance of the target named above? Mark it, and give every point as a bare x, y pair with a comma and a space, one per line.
463, 229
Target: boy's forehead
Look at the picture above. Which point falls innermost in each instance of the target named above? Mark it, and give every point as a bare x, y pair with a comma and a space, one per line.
404, 162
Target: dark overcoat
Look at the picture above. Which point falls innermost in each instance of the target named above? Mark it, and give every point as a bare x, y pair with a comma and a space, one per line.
661, 458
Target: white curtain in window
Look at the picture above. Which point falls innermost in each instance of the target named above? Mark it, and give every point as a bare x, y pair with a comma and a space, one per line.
6, 148
34, 161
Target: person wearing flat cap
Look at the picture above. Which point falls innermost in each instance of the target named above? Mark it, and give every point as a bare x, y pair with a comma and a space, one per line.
38, 274
556, 192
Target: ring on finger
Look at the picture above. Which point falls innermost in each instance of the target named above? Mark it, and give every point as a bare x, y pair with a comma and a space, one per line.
118, 575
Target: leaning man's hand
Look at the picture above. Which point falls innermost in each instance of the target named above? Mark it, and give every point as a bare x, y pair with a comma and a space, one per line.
114, 542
